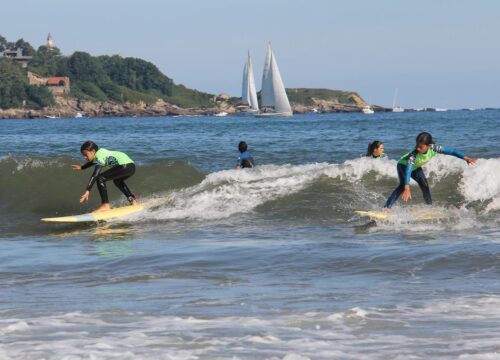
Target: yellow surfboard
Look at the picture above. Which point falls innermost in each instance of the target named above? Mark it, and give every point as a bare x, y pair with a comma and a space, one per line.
101, 215
379, 215
418, 214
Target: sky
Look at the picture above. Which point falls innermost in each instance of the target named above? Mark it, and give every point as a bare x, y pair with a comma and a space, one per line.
437, 53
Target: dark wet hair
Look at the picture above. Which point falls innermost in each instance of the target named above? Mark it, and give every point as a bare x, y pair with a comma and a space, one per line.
89, 146
372, 146
424, 138
242, 146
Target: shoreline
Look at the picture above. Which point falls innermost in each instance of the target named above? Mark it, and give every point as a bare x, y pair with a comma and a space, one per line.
69, 108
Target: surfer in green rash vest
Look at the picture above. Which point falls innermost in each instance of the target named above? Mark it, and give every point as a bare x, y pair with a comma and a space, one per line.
109, 165
410, 166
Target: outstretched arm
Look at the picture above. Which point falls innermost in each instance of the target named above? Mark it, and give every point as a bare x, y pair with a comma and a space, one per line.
458, 154
82, 167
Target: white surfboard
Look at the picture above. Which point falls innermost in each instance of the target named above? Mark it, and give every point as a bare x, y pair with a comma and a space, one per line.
97, 216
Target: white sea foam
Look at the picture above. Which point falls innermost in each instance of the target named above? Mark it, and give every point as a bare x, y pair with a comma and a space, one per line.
482, 182
30, 163
465, 328
225, 193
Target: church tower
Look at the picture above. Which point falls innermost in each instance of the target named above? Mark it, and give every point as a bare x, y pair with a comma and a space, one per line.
50, 42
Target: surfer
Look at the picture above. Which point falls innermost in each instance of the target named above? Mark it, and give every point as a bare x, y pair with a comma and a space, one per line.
245, 160
375, 149
109, 165
410, 166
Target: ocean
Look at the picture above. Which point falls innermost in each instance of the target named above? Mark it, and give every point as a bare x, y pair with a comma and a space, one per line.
265, 263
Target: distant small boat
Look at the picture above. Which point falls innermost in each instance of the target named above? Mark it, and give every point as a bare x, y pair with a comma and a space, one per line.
440, 109
222, 113
394, 107
367, 110
273, 94
78, 115
51, 117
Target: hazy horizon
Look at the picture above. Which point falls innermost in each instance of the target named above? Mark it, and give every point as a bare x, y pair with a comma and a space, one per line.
438, 54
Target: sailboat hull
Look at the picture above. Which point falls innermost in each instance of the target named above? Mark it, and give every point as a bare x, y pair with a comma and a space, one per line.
273, 115
249, 113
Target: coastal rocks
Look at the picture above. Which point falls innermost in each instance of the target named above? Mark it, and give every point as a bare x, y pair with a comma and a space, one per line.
67, 108
70, 107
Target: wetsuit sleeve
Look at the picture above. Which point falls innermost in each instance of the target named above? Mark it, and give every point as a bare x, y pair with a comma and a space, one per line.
87, 165
447, 151
409, 167
93, 178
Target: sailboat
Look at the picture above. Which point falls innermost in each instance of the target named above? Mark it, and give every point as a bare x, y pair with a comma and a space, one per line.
274, 101
394, 107
249, 92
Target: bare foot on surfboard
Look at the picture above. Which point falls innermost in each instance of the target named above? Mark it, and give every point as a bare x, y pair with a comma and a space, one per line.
103, 207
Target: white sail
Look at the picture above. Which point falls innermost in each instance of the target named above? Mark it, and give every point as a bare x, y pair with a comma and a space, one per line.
273, 92
245, 96
252, 90
267, 93
249, 92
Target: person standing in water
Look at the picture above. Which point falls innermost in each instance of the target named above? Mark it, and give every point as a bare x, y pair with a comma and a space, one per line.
109, 165
375, 149
410, 166
245, 160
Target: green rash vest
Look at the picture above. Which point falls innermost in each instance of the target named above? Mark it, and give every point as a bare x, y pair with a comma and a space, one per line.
418, 160
414, 160
109, 159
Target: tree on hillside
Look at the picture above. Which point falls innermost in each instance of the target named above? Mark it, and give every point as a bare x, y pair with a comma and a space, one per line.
83, 67
14, 88
136, 74
3, 43
28, 50
46, 61
12, 84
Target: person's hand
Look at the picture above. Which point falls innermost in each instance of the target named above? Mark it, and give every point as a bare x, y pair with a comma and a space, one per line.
76, 167
85, 196
407, 193
238, 167
470, 161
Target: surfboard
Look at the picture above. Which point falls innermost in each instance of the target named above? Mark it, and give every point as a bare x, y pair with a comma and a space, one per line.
379, 215
101, 215
418, 214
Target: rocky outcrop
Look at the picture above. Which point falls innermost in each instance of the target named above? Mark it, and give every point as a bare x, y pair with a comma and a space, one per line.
67, 108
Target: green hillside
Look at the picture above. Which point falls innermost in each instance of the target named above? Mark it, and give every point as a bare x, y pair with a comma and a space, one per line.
308, 96
95, 78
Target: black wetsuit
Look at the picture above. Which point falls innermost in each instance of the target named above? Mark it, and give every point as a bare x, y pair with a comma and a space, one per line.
117, 173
